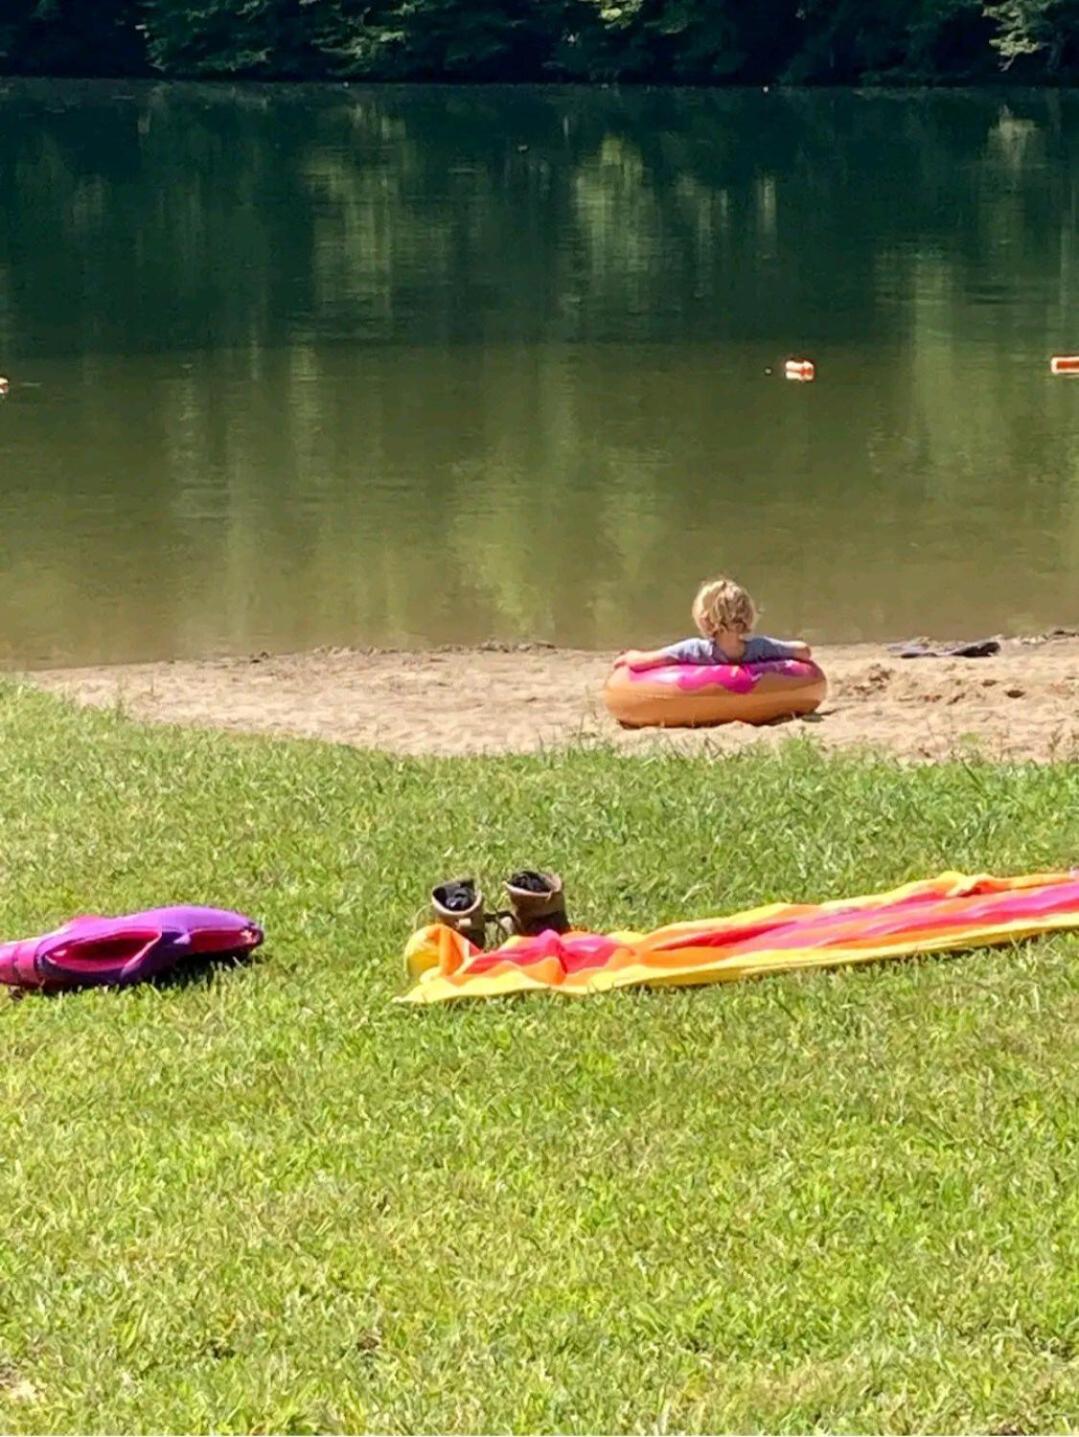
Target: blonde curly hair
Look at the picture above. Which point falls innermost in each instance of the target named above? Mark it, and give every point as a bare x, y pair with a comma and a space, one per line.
722, 604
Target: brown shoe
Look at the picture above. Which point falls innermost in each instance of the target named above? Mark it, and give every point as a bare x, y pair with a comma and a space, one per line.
537, 903
459, 905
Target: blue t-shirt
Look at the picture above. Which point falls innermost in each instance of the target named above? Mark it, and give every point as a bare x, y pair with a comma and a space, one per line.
759, 648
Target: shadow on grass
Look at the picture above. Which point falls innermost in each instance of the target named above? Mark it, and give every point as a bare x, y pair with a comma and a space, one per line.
203, 969
200, 970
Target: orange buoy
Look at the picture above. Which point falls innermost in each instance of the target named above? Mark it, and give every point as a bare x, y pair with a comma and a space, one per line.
1064, 364
5, 385
802, 370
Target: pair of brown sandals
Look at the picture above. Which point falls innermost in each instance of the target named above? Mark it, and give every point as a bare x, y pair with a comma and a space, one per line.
537, 904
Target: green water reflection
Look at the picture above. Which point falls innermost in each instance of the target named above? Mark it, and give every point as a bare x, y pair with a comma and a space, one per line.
313, 366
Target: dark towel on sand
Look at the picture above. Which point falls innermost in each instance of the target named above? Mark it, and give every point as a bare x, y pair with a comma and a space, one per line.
978, 649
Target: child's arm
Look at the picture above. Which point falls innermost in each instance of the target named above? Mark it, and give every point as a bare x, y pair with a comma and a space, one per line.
642, 659
686, 651
760, 648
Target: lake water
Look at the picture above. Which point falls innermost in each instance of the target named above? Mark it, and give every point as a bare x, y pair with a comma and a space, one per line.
408, 366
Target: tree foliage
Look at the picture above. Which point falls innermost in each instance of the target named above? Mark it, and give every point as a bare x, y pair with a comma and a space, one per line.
1039, 34
673, 41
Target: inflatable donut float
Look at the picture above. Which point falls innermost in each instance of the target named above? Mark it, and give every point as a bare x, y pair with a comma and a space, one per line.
691, 695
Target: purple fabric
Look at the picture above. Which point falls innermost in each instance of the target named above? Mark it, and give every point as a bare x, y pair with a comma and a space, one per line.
91, 950
760, 649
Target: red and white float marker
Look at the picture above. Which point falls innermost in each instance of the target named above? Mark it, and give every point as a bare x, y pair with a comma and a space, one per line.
803, 371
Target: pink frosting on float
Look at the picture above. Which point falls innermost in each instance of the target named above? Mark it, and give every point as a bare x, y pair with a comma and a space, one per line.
736, 678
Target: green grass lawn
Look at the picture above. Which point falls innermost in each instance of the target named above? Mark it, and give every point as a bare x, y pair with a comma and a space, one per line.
271, 1200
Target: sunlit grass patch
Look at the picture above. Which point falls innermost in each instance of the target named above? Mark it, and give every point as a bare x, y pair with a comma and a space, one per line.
271, 1200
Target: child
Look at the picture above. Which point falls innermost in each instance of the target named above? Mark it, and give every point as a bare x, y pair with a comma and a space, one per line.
725, 614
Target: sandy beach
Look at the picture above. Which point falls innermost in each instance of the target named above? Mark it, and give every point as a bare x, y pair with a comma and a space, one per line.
1020, 704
